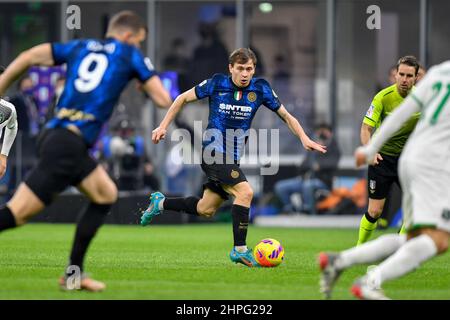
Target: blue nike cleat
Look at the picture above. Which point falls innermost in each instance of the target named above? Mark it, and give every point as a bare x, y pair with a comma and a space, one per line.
153, 208
244, 258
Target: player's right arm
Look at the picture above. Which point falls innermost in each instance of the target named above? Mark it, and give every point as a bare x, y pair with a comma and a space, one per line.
155, 89
184, 98
39, 55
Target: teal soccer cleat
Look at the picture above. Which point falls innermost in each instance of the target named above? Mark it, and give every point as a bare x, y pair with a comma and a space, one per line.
244, 258
153, 208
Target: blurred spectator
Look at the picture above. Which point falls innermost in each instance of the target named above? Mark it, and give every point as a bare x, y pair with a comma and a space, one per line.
392, 73
178, 61
150, 180
317, 174
123, 153
209, 57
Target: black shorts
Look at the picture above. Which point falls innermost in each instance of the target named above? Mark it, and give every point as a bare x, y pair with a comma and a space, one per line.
63, 161
382, 176
222, 174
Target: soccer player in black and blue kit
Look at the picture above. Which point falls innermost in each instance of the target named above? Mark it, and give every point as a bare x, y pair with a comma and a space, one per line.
233, 103
97, 72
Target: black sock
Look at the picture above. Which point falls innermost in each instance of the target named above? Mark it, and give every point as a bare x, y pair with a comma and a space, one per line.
188, 205
240, 216
370, 218
7, 220
90, 221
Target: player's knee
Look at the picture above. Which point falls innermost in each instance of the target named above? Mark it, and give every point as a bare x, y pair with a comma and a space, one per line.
246, 195
375, 212
108, 195
207, 212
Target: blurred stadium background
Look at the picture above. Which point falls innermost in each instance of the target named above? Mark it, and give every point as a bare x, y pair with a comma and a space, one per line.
320, 56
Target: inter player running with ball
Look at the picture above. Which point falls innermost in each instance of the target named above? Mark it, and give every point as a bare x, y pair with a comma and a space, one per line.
243, 95
424, 171
383, 173
97, 72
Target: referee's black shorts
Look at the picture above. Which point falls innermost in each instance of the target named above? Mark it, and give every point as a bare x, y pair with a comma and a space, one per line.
382, 176
63, 161
219, 174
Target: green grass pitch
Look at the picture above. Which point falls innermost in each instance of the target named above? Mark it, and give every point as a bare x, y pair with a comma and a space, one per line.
190, 262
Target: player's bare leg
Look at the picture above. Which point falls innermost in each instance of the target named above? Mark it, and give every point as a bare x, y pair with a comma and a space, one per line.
102, 193
24, 204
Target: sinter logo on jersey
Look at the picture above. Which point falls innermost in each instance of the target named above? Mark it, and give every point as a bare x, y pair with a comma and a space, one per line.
236, 112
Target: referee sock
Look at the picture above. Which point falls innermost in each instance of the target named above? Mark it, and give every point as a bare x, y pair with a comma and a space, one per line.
7, 220
240, 215
92, 218
187, 205
366, 227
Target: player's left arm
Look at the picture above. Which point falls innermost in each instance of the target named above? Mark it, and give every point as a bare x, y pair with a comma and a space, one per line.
10, 134
297, 129
40, 55
155, 89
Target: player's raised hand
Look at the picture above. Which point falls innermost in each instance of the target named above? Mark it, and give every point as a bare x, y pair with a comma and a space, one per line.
312, 145
158, 134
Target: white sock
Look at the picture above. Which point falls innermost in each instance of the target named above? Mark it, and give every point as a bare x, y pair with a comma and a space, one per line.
241, 249
371, 251
406, 259
161, 204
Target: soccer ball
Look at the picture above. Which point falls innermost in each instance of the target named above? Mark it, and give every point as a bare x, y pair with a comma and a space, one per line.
268, 253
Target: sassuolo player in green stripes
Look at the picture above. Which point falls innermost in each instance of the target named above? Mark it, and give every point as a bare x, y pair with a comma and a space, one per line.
424, 173
383, 173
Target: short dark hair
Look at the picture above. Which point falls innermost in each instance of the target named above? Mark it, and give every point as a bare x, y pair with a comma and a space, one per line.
127, 20
409, 61
242, 56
